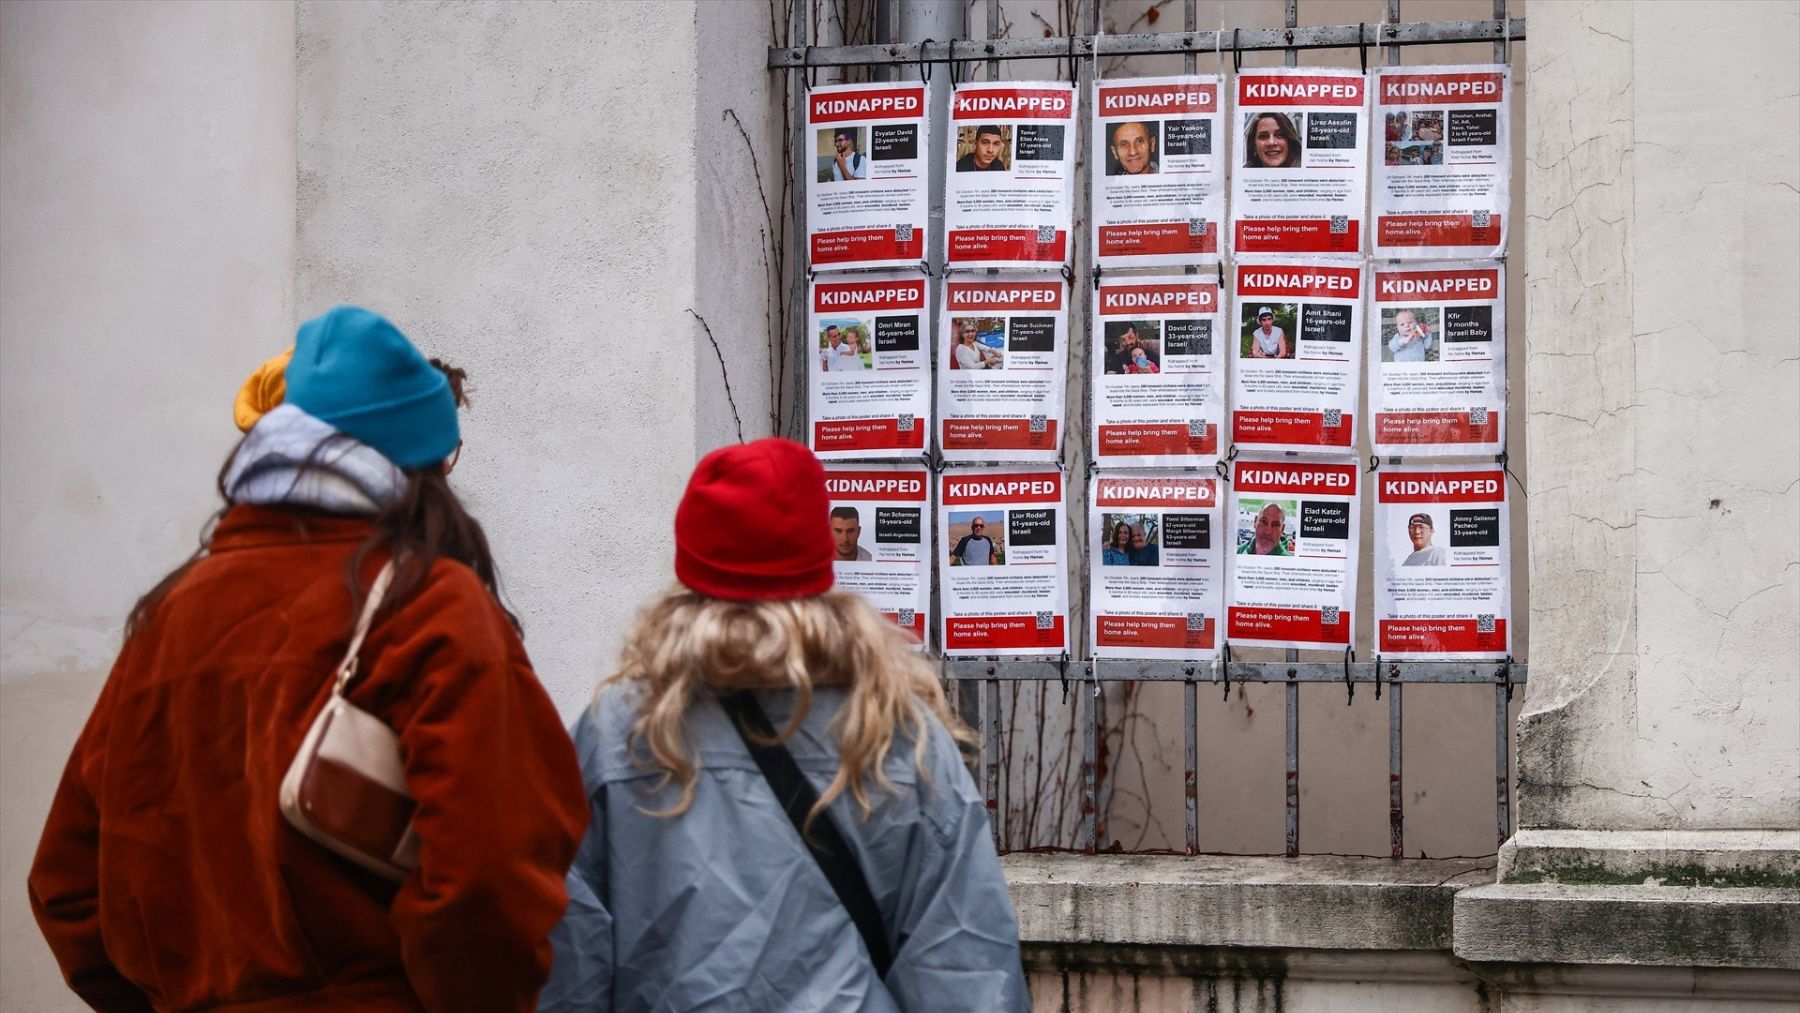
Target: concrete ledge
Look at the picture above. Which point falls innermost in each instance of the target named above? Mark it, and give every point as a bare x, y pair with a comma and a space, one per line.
1723, 858
1312, 903
1548, 923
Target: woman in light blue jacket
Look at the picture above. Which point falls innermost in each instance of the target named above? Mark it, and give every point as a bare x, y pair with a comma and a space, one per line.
694, 888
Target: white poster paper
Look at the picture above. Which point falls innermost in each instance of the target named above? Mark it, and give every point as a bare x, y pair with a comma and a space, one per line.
1295, 525
1010, 184
1443, 562
1295, 529
1437, 359
865, 191
1158, 571
1297, 354
1004, 582
1442, 175
1301, 180
881, 526
1002, 367
1159, 178
1159, 371
869, 372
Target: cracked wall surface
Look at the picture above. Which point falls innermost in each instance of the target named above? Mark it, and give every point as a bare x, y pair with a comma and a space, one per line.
1663, 380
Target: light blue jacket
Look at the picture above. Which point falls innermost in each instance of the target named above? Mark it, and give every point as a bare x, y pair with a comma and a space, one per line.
722, 908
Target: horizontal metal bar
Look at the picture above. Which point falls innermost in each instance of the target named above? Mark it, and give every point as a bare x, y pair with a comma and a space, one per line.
1245, 40
1451, 672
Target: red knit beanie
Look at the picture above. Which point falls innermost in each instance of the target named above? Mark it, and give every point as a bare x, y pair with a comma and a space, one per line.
754, 524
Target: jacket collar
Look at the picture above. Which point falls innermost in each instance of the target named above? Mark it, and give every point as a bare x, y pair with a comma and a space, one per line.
251, 527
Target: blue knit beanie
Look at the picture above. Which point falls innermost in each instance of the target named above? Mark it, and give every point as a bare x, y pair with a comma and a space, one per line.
355, 370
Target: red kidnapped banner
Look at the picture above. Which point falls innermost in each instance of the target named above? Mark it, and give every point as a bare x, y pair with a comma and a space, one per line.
1440, 636
1303, 625
1436, 230
1157, 100
1402, 89
867, 434
1156, 492
1153, 300
1485, 486
972, 632
1279, 91
1003, 487
901, 486
1004, 297
1413, 286
1295, 477
978, 103
1296, 428
1311, 281
865, 244
1152, 631
829, 297
1006, 244
896, 103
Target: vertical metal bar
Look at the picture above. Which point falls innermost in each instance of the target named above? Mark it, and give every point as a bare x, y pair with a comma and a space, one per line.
993, 32
1190, 22
1191, 755
1293, 760
1502, 764
794, 420
990, 755
1089, 760
1102, 766
1292, 58
1396, 791
1500, 44
1393, 52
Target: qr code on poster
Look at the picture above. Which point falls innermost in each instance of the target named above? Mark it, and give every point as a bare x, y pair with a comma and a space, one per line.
1329, 616
1478, 416
1196, 623
903, 233
1196, 227
1484, 623
904, 424
1481, 219
1197, 429
1039, 424
1340, 225
907, 618
1334, 417
1046, 620
1046, 235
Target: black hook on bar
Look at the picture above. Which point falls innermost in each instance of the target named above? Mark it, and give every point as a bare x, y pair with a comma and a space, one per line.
1062, 670
1374, 462
1377, 676
1096, 277
1225, 667
950, 60
1505, 676
1362, 45
1237, 55
1068, 274
1074, 70
1349, 656
925, 68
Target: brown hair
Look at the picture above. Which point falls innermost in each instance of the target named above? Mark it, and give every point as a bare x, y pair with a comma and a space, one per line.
424, 523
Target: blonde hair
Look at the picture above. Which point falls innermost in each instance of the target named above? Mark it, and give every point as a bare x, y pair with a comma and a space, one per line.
685, 643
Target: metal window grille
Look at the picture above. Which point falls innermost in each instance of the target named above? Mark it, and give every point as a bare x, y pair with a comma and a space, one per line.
978, 680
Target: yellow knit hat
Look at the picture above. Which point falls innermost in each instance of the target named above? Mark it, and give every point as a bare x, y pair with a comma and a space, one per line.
264, 390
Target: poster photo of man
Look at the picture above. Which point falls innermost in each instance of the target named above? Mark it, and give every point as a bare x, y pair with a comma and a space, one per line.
1132, 148
841, 154
977, 538
1419, 534
1265, 527
844, 346
1268, 330
984, 148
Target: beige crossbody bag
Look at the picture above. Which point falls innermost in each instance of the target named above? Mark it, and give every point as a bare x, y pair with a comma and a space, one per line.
346, 788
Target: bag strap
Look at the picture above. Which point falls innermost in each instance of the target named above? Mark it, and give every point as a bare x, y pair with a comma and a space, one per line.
826, 845
346, 669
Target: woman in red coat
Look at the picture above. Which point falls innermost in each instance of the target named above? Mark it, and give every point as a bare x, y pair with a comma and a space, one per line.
167, 877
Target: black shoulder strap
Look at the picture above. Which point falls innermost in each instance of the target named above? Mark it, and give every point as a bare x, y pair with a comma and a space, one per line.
823, 841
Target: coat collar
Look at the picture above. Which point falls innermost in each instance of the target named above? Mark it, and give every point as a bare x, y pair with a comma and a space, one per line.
251, 527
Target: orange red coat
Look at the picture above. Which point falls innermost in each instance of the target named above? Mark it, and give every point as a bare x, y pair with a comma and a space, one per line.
167, 878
